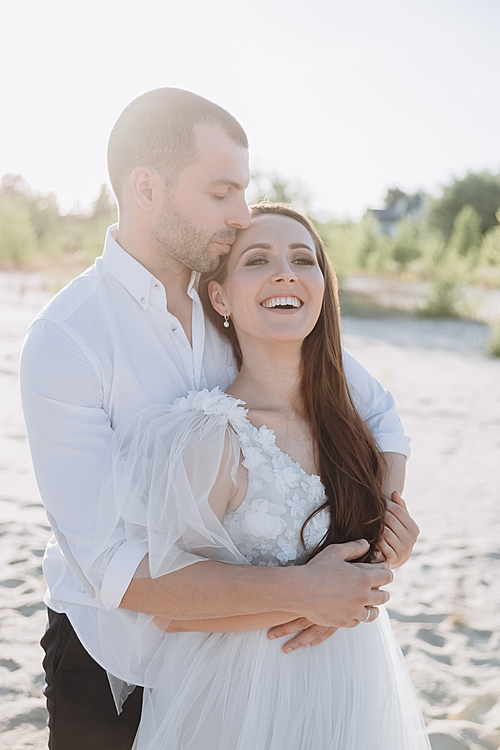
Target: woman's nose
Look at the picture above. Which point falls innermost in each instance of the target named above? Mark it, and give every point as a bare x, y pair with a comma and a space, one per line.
285, 275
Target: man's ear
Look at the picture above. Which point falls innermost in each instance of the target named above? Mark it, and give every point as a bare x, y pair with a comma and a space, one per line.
216, 294
146, 186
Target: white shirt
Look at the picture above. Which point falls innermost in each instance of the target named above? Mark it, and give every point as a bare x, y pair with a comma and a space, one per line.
102, 350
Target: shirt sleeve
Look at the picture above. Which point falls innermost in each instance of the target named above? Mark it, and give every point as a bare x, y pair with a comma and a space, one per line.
69, 433
376, 407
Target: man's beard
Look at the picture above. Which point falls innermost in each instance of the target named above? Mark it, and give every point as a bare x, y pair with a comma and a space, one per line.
190, 246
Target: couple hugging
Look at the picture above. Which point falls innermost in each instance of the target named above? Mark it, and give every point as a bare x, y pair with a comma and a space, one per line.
221, 478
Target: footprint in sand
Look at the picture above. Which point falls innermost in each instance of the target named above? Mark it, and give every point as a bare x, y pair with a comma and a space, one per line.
441, 741
27, 610
10, 664
430, 636
443, 658
420, 617
491, 662
462, 735
11, 583
478, 706
476, 637
36, 716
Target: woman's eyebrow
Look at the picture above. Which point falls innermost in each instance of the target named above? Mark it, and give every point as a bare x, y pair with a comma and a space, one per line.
296, 245
261, 245
266, 246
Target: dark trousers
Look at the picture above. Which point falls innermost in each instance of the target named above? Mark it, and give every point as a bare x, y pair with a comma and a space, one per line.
82, 713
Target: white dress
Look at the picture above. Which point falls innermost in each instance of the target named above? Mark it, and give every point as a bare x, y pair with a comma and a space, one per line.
239, 691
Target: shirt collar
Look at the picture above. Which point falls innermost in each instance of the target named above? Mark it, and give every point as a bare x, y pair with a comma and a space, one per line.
133, 275
192, 289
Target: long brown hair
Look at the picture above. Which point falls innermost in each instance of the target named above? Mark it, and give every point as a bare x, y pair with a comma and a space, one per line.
349, 462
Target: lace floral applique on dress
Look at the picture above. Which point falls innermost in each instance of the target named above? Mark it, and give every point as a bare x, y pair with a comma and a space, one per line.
266, 526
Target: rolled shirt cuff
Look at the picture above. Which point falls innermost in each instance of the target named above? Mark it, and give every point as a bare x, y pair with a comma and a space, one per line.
120, 571
394, 443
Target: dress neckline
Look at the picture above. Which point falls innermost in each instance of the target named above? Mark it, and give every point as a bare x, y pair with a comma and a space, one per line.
286, 456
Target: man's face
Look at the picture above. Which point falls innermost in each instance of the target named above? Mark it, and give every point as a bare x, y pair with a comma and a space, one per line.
202, 213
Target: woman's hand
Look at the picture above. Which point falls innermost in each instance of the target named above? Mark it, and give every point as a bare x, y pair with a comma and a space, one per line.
400, 533
309, 635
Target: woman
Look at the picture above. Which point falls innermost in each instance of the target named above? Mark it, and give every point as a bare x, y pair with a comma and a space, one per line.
269, 484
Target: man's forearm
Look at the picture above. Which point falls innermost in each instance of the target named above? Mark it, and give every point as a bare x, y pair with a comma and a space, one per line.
394, 473
210, 589
328, 590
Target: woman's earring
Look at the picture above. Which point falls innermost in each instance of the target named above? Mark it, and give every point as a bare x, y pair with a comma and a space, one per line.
226, 321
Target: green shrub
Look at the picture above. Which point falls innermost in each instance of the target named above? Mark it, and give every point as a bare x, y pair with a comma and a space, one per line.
18, 240
494, 339
446, 278
406, 247
381, 260
368, 240
84, 236
341, 241
465, 239
489, 253
480, 190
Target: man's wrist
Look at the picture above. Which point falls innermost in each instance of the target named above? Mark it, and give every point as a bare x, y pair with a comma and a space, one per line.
287, 591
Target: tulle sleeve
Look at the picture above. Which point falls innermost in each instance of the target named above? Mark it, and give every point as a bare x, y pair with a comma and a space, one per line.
161, 472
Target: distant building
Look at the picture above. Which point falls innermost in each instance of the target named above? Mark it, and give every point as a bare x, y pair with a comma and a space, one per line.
389, 218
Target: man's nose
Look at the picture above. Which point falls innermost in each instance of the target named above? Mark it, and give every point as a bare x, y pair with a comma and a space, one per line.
240, 218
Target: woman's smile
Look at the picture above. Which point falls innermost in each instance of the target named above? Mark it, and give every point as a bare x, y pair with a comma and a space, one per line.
282, 303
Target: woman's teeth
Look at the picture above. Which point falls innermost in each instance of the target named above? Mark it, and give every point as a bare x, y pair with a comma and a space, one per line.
282, 302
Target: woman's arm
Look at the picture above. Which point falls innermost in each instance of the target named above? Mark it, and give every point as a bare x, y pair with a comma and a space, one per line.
235, 624
393, 473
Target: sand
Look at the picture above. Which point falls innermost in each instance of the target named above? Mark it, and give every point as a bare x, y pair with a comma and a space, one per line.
445, 604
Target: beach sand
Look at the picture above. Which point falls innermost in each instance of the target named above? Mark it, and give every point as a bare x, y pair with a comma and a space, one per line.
445, 602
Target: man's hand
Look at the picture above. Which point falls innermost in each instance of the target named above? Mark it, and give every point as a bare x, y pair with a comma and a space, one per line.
333, 593
400, 532
350, 602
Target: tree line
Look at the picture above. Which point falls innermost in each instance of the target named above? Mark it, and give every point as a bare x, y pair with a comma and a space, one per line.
454, 240
32, 225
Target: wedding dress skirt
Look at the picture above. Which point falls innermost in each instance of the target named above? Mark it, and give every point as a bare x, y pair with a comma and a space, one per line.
239, 691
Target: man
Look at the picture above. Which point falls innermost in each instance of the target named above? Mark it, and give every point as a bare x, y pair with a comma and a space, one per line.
130, 333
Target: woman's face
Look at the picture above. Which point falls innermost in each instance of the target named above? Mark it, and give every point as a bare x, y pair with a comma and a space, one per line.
274, 286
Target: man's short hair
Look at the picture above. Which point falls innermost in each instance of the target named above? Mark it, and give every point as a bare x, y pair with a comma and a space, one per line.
157, 130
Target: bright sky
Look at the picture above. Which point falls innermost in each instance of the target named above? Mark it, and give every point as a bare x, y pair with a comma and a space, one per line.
348, 96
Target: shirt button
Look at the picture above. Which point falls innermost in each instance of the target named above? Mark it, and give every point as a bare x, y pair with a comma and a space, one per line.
156, 286
173, 327
143, 300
